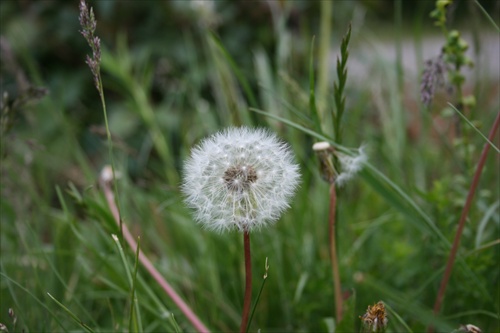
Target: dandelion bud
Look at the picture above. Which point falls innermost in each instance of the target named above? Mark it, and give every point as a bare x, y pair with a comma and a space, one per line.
324, 151
239, 178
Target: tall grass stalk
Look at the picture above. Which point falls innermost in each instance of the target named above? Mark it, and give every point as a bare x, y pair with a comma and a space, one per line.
89, 24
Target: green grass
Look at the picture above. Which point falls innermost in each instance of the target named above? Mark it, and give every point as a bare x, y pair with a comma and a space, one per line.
166, 88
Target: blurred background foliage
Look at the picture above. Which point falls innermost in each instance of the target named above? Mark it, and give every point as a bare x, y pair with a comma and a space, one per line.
168, 83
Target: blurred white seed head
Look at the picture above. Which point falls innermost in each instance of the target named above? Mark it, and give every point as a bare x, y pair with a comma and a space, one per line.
240, 178
350, 166
107, 174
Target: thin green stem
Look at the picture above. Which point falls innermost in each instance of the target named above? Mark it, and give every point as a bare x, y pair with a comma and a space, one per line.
474, 127
488, 16
110, 152
264, 279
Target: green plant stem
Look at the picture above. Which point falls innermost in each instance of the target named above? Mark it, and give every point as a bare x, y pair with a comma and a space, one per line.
264, 279
248, 282
110, 151
333, 254
474, 127
324, 53
487, 16
463, 217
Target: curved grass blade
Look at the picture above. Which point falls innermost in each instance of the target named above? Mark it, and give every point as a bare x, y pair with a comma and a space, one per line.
131, 281
72, 315
488, 16
241, 78
474, 127
398, 318
322, 137
35, 298
258, 296
135, 318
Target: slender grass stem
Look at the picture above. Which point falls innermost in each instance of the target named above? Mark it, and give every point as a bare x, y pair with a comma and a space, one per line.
248, 282
144, 260
264, 279
463, 217
333, 254
110, 150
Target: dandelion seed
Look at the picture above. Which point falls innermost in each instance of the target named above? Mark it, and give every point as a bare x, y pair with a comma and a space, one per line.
351, 165
240, 178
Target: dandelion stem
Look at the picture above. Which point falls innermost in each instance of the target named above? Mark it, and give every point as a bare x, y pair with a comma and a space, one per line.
333, 254
248, 282
463, 217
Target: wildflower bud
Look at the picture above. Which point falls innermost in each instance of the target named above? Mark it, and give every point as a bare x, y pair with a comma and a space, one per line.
375, 318
326, 169
240, 178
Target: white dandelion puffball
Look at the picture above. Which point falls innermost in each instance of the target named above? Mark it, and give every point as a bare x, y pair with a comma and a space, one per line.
240, 178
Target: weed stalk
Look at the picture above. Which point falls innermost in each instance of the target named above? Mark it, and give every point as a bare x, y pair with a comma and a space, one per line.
248, 282
333, 253
463, 217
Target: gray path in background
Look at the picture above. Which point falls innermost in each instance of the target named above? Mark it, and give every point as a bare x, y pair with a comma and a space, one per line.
371, 56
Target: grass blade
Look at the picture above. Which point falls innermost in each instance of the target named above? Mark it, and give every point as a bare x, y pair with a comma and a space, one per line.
241, 78
258, 296
312, 98
71, 314
56, 318
474, 127
135, 318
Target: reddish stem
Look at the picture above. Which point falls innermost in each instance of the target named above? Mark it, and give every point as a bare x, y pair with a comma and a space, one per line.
333, 254
195, 321
248, 283
463, 217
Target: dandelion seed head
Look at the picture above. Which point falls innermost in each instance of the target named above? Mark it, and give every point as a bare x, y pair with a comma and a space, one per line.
239, 178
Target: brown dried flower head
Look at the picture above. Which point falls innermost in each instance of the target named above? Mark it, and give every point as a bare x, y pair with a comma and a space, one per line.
375, 318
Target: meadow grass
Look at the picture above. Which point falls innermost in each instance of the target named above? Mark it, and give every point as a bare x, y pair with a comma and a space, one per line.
65, 266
